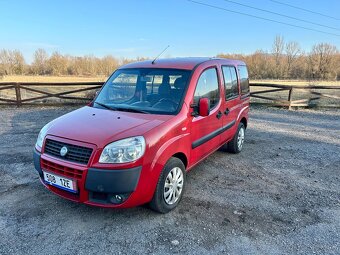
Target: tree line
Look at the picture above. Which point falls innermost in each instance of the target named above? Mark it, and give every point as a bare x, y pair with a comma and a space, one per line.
12, 62
286, 60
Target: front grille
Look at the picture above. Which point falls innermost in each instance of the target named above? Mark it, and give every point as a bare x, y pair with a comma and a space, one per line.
75, 153
60, 169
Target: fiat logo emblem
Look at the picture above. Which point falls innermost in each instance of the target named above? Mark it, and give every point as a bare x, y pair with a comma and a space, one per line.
63, 151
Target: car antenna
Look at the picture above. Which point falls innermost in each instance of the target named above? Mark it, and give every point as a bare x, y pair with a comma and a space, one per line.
153, 61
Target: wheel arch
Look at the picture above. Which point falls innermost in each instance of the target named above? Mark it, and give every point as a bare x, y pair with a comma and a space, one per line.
244, 121
181, 156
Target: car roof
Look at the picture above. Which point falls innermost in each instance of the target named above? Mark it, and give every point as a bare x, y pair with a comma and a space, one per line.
188, 63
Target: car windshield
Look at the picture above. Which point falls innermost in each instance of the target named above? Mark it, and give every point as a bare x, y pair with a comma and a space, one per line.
144, 90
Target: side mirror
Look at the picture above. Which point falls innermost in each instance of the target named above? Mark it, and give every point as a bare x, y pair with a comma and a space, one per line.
204, 106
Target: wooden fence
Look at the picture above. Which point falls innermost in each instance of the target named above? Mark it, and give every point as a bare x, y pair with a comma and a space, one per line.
73, 93
66, 96
297, 95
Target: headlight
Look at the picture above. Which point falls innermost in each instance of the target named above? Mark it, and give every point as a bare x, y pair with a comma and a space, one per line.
42, 135
123, 151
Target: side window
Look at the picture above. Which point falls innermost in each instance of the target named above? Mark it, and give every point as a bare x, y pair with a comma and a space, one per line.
230, 82
207, 86
244, 79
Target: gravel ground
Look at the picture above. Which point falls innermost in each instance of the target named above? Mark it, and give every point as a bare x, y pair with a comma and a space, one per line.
281, 195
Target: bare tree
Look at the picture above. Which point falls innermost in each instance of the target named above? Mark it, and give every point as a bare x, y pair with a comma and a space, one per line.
108, 64
88, 65
277, 51
292, 51
57, 64
4, 62
259, 65
18, 62
337, 64
321, 61
11, 62
39, 65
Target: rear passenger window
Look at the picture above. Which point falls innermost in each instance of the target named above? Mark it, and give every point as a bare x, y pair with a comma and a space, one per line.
230, 82
207, 86
244, 79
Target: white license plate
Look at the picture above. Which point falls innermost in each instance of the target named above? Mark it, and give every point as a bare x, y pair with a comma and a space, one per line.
60, 182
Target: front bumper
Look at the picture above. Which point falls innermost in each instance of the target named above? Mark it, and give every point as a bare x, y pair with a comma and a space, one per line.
98, 187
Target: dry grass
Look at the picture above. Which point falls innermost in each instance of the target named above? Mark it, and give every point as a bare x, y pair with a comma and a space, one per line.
297, 82
43, 79
37, 78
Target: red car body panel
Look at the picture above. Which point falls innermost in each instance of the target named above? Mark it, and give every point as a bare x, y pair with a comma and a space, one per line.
165, 135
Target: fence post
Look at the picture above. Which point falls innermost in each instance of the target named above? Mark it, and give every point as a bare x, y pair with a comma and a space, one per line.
17, 93
290, 96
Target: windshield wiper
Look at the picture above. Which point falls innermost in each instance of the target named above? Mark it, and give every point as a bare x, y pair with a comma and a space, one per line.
121, 108
106, 106
130, 110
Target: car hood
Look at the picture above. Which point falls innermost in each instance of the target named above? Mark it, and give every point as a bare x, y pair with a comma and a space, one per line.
102, 126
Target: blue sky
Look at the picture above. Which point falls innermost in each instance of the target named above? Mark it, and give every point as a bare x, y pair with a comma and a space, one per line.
132, 28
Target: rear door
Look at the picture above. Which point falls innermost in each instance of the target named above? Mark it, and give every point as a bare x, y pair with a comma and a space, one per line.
231, 100
205, 131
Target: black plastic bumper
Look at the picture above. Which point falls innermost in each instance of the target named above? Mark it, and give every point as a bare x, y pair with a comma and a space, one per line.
36, 160
112, 181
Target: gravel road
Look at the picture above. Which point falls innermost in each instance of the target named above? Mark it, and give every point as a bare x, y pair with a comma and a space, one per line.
281, 195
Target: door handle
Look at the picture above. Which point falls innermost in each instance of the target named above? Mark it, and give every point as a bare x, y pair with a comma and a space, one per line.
219, 115
226, 112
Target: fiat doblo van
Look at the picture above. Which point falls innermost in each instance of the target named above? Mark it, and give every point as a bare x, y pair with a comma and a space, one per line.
150, 123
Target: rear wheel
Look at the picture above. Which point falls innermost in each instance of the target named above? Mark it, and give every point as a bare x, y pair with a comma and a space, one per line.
170, 186
236, 144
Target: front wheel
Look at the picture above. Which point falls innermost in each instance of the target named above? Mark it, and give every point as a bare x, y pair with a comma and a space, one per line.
170, 186
236, 144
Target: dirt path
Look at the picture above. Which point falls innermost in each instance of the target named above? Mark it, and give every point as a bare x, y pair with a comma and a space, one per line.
281, 195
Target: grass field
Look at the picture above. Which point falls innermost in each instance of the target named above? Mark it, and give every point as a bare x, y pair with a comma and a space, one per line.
36, 78
10, 93
298, 82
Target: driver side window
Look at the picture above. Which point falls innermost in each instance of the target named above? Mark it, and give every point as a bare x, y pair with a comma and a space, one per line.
207, 86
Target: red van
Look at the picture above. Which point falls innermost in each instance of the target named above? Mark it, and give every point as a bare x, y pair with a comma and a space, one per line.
150, 124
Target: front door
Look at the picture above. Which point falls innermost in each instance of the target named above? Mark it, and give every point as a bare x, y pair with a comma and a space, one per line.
205, 131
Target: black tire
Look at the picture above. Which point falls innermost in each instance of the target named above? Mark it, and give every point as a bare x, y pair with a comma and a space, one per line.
233, 145
158, 202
